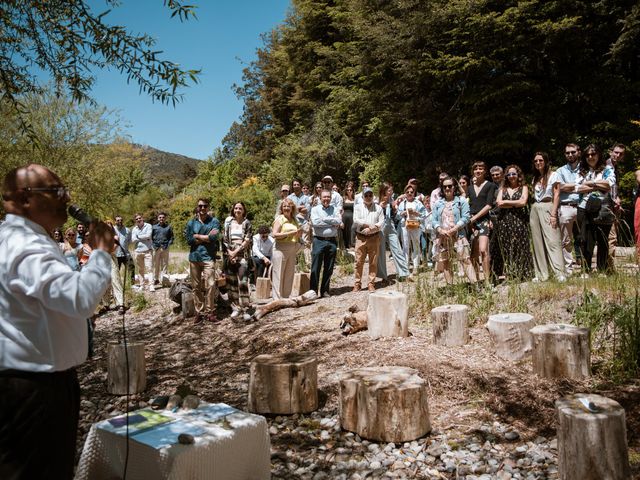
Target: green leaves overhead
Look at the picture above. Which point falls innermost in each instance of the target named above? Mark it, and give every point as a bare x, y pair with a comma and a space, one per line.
417, 85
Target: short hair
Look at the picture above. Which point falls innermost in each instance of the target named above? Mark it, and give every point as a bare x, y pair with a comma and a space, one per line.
296, 179
262, 229
442, 175
204, 200
574, 145
10, 183
162, 213
409, 186
496, 169
619, 145
137, 215
479, 163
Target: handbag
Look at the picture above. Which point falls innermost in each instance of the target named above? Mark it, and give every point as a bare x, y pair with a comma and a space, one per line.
605, 215
413, 224
594, 203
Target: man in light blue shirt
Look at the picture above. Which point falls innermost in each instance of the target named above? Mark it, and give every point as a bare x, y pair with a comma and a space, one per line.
141, 238
569, 198
326, 219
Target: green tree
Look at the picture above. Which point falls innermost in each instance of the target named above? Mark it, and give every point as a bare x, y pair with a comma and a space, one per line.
67, 39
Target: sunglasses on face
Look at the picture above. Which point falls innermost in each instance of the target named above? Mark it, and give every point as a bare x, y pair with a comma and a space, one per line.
572, 152
512, 174
447, 187
203, 206
61, 192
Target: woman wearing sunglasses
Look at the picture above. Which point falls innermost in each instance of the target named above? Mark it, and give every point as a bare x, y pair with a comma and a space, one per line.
449, 219
512, 228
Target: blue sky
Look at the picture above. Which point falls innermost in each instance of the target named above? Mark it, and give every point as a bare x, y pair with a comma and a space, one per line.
222, 40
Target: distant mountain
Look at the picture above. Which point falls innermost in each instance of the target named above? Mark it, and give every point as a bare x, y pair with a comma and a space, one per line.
168, 168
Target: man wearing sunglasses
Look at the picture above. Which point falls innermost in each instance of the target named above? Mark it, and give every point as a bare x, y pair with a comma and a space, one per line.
201, 234
44, 305
569, 198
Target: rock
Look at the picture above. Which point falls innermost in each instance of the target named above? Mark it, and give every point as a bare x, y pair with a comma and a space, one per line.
190, 402
512, 436
375, 465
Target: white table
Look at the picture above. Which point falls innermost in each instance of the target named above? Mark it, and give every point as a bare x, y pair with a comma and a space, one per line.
229, 444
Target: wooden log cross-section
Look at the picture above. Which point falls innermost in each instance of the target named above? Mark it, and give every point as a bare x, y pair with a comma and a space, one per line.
387, 404
450, 325
117, 368
283, 384
388, 314
263, 285
561, 350
592, 439
510, 335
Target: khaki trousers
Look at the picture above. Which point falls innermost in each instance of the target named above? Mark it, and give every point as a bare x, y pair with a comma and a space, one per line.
160, 263
367, 246
205, 289
143, 265
116, 283
283, 269
547, 243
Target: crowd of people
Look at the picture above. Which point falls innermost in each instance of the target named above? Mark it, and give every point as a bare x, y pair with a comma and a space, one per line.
488, 227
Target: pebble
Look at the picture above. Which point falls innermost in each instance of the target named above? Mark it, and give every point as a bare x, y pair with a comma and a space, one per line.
320, 450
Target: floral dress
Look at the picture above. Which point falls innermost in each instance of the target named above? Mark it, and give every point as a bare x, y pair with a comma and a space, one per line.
510, 245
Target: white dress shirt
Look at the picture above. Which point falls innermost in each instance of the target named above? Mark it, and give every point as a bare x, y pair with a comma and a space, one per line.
372, 216
44, 304
141, 237
262, 248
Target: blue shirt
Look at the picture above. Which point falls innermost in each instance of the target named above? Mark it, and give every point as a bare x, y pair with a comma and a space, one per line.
202, 252
162, 236
303, 200
565, 175
325, 221
124, 237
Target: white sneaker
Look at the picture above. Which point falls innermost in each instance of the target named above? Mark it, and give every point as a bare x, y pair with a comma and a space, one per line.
535, 280
152, 288
137, 288
235, 313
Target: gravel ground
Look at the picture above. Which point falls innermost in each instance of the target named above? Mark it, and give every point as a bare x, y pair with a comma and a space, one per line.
490, 419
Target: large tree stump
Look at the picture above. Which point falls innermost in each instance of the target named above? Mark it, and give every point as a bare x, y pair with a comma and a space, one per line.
117, 368
283, 383
301, 283
561, 351
592, 439
450, 325
388, 314
510, 334
387, 404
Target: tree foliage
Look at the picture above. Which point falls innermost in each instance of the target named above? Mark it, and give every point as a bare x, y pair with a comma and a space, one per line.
67, 39
400, 88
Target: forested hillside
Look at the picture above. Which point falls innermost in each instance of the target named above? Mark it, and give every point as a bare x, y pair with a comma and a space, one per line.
397, 89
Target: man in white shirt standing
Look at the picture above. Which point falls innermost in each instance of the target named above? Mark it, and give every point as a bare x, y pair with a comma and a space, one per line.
141, 235
262, 249
44, 305
368, 220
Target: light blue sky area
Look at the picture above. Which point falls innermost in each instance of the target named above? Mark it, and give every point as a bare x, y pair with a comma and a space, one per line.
222, 40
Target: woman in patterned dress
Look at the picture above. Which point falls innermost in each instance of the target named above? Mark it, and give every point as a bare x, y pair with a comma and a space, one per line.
512, 227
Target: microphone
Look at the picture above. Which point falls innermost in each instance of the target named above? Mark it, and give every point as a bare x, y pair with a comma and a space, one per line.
80, 215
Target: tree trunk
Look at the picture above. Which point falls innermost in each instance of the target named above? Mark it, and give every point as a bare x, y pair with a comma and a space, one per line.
301, 284
510, 334
592, 445
388, 314
561, 351
387, 404
450, 325
279, 304
117, 368
283, 384
188, 305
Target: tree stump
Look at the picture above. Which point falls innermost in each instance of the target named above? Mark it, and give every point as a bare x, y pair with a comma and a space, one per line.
387, 404
450, 325
283, 383
188, 305
592, 439
561, 351
388, 314
263, 285
117, 368
301, 284
510, 335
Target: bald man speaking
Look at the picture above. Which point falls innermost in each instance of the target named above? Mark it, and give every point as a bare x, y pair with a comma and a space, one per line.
44, 305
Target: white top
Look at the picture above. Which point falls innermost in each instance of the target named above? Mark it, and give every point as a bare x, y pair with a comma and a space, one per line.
260, 248
44, 305
141, 237
372, 216
542, 193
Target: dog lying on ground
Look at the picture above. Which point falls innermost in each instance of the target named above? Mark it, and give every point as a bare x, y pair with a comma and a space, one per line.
354, 321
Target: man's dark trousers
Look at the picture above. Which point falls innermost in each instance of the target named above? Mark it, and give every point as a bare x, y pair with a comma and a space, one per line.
323, 257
